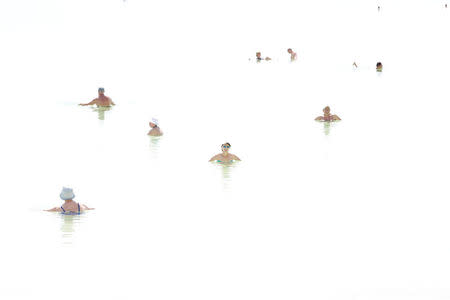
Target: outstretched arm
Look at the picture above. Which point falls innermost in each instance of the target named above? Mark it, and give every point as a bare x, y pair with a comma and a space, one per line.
336, 118
53, 209
214, 158
320, 118
236, 158
90, 103
86, 208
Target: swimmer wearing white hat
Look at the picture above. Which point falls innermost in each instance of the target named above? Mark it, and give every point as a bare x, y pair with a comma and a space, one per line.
155, 131
69, 206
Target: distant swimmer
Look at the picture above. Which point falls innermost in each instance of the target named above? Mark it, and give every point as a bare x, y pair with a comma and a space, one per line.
69, 207
445, 5
327, 117
155, 131
292, 53
259, 58
379, 67
379, 8
101, 100
355, 65
225, 156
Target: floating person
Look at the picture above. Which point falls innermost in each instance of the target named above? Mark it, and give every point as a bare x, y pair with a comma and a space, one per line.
292, 53
101, 100
379, 67
69, 207
259, 58
225, 156
155, 131
355, 65
327, 117
379, 8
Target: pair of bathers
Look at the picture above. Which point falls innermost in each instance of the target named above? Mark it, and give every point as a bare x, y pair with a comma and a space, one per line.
64, 212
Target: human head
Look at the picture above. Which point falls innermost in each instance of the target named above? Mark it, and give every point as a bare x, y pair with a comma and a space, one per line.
258, 54
289, 51
101, 91
66, 194
226, 147
379, 64
326, 109
154, 123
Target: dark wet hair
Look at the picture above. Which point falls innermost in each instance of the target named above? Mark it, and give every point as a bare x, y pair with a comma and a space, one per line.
379, 64
289, 49
100, 89
229, 145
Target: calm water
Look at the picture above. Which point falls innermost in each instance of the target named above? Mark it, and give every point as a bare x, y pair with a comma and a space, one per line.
352, 210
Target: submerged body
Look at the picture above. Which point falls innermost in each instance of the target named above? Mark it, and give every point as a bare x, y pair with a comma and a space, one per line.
69, 206
155, 130
101, 100
327, 116
379, 67
225, 156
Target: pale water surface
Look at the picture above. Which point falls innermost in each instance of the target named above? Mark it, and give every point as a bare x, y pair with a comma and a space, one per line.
353, 210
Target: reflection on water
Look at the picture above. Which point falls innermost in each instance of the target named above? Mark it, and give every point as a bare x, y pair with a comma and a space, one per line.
69, 222
154, 144
101, 111
227, 170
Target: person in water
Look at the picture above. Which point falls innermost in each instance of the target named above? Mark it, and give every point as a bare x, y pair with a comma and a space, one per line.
69, 206
292, 53
101, 100
259, 58
225, 156
379, 67
155, 131
327, 117
355, 65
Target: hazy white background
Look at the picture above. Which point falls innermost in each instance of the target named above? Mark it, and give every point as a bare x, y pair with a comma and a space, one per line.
359, 213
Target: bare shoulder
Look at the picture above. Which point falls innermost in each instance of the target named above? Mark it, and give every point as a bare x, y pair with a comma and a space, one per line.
235, 157
215, 157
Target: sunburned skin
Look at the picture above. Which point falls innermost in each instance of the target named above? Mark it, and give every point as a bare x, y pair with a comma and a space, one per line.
327, 117
225, 156
101, 100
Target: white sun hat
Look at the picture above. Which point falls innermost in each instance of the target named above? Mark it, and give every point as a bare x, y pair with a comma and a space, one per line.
155, 121
67, 194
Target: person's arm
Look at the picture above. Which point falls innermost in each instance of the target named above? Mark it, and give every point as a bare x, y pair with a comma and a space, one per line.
215, 157
90, 103
236, 158
53, 209
319, 118
336, 118
84, 207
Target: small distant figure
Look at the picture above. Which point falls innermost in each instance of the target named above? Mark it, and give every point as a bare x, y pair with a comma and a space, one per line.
69, 207
379, 67
292, 53
155, 131
355, 65
225, 157
445, 5
101, 100
379, 8
259, 58
327, 117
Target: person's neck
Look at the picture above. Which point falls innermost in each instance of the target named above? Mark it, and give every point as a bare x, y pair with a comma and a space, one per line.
225, 153
68, 201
